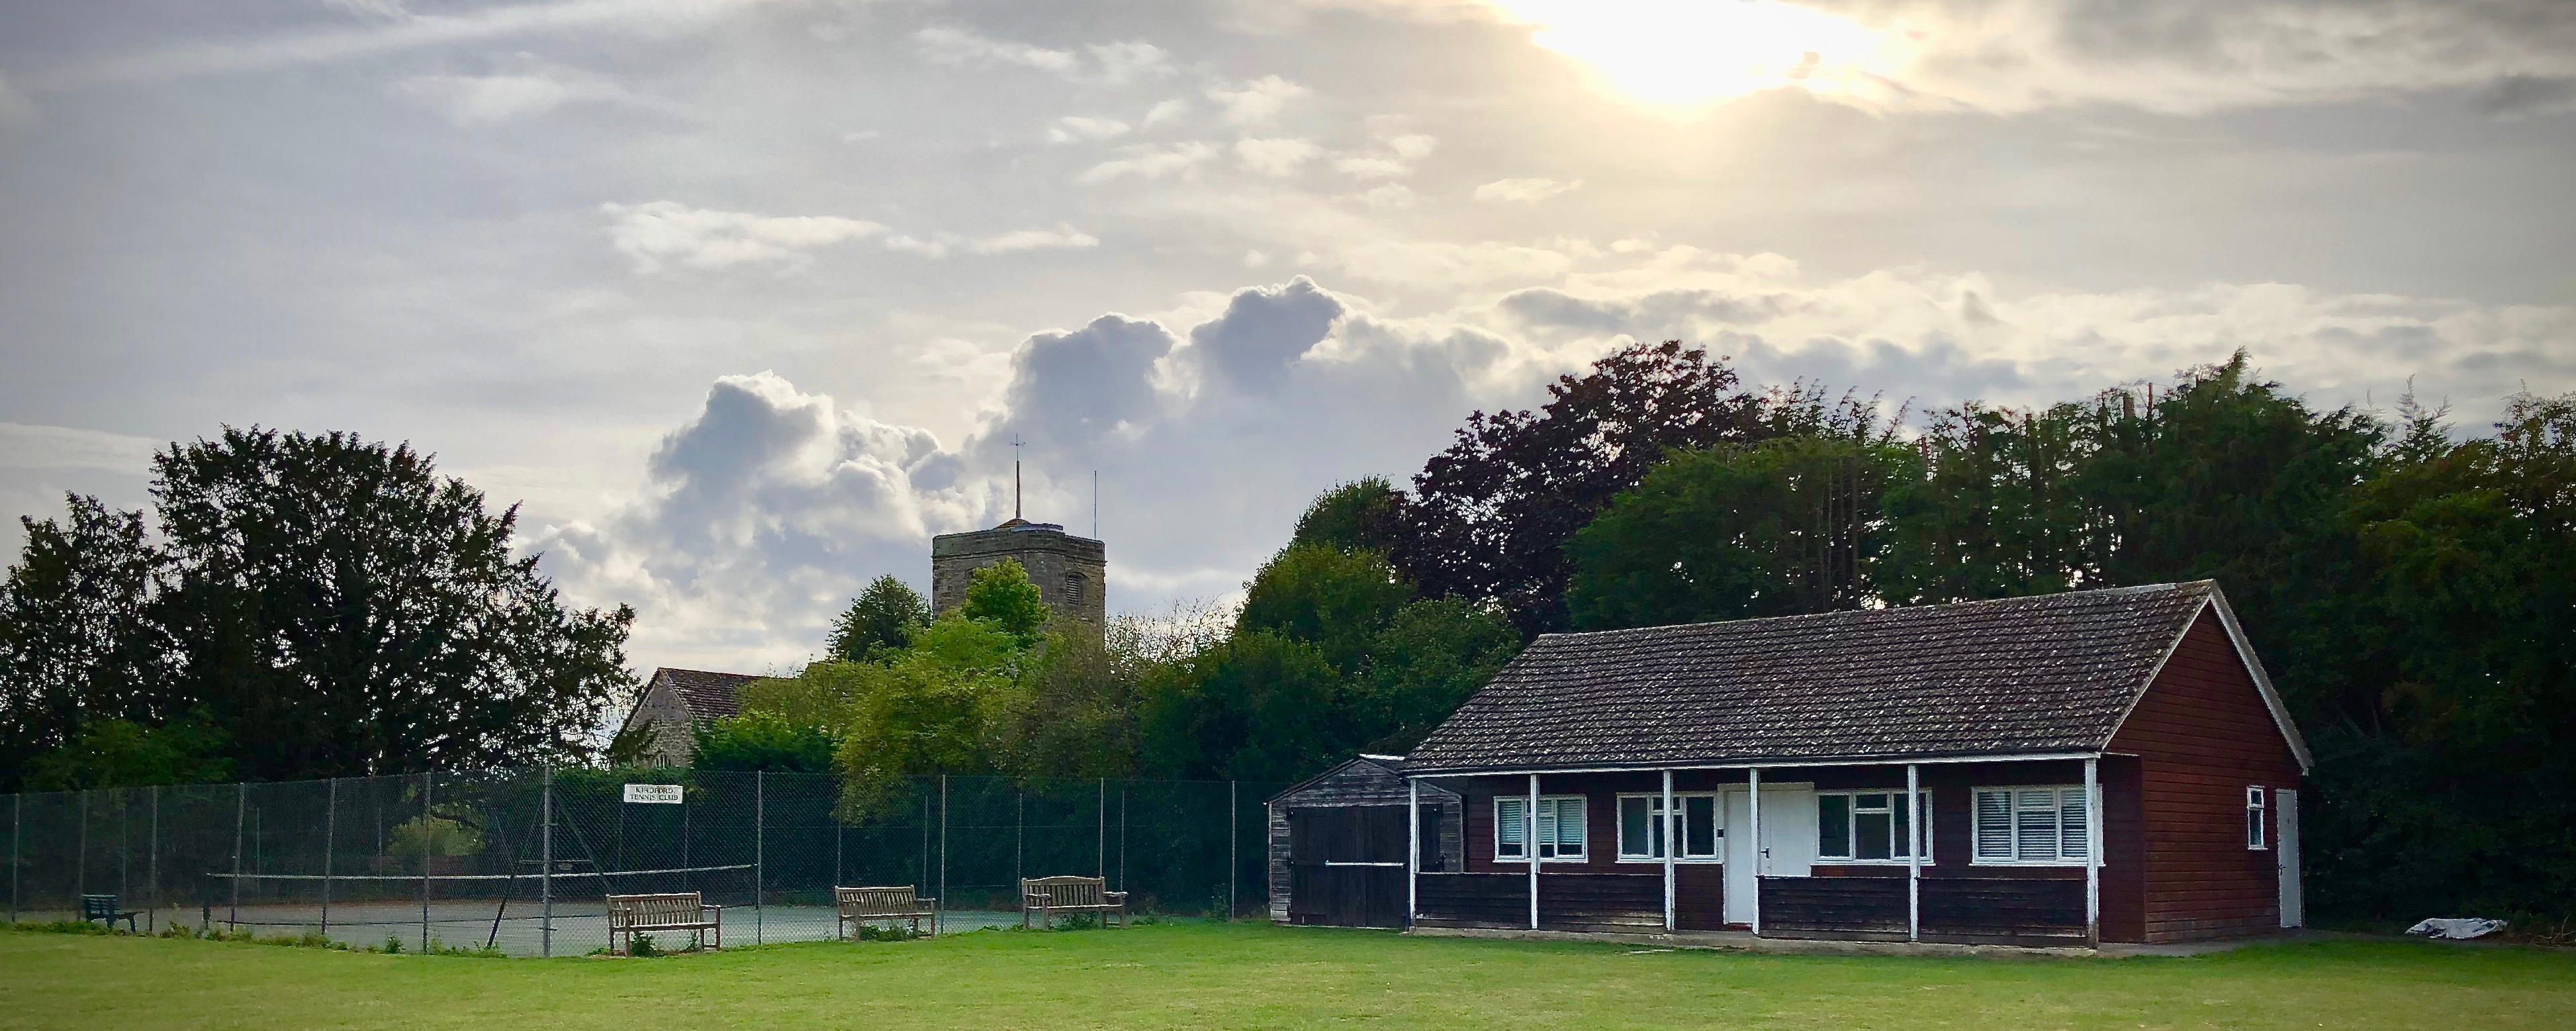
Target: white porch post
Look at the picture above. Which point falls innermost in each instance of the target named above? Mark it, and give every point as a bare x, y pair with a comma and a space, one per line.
1753, 848
1914, 841
1672, 844
2092, 851
1529, 840
1412, 847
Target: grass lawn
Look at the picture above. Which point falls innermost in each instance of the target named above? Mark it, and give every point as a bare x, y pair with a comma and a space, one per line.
1260, 976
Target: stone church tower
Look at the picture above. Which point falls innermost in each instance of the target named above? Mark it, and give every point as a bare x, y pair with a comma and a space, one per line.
1071, 572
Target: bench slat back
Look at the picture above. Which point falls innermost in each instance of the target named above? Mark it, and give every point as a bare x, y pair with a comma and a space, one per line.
870, 901
98, 907
626, 911
1067, 891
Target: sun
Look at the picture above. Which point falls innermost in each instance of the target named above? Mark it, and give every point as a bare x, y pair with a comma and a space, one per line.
1690, 52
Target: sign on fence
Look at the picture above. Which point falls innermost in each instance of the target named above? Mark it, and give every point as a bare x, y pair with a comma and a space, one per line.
656, 794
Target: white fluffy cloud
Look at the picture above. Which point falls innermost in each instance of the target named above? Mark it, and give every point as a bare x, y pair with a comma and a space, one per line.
1108, 63
661, 232
1151, 162
1257, 101
1078, 128
1526, 191
1275, 156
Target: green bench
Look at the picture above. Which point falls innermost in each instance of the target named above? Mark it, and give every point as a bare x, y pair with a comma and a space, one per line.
102, 908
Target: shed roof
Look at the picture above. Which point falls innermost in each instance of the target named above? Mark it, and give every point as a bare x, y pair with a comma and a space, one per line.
2049, 674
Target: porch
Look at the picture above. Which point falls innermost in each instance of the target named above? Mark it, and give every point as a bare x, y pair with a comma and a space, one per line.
1989, 851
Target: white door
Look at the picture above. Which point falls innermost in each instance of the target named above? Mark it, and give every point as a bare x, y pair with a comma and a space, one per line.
2285, 813
1788, 842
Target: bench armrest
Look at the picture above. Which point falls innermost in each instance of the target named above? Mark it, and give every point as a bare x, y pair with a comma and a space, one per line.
1118, 895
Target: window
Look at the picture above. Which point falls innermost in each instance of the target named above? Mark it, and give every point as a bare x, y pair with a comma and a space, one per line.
1560, 829
1073, 588
1868, 827
2036, 825
2255, 839
1641, 828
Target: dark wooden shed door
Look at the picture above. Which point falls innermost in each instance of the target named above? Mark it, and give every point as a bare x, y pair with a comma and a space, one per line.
1346, 866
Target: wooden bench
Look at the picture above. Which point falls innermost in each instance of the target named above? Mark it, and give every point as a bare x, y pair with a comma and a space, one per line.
1046, 896
102, 908
630, 915
861, 905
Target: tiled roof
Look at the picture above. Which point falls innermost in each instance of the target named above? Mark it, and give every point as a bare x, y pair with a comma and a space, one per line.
708, 695
2053, 673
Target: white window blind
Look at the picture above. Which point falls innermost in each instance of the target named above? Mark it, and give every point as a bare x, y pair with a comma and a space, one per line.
2043, 825
1510, 828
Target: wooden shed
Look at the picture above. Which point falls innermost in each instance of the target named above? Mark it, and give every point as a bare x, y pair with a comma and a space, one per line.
1338, 842
2096, 766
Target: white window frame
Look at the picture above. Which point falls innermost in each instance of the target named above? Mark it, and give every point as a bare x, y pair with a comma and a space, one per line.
2258, 830
1654, 811
1851, 826
1582, 835
2013, 830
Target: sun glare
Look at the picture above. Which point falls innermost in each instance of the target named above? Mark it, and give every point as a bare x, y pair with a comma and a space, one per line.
1687, 52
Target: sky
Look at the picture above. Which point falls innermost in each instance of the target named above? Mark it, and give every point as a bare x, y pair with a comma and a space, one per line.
741, 301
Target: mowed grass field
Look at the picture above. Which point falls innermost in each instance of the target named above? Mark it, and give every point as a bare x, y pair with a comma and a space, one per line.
1204, 975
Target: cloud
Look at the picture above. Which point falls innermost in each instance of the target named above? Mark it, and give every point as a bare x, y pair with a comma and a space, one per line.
1107, 64
1259, 100
1262, 330
1150, 162
1397, 160
63, 447
2514, 95
1390, 197
1525, 191
395, 31
1076, 128
1166, 111
530, 87
1275, 156
15, 108
759, 517
663, 231
2177, 56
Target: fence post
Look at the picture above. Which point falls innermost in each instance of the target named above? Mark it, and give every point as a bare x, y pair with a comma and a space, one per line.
80, 857
1019, 842
943, 853
428, 797
1122, 836
17, 830
241, 802
152, 855
546, 856
330, 831
1100, 851
1233, 862
124, 846
759, 857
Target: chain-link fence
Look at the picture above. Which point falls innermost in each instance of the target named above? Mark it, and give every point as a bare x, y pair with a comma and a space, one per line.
522, 861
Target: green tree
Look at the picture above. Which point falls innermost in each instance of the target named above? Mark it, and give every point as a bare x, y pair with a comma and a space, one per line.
344, 610
766, 741
1788, 526
1332, 598
1001, 594
882, 617
80, 641
1258, 707
115, 753
1366, 514
1427, 661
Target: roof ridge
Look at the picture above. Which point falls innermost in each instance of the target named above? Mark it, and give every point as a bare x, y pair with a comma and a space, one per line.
1891, 611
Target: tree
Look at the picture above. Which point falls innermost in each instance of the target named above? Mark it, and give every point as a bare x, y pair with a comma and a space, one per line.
343, 610
1427, 661
117, 753
884, 616
1002, 595
1492, 514
1334, 599
1363, 514
1258, 707
1788, 526
767, 741
79, 640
